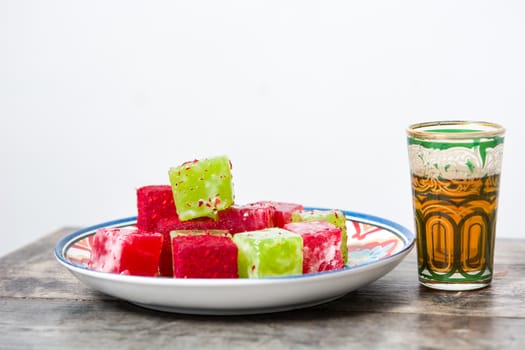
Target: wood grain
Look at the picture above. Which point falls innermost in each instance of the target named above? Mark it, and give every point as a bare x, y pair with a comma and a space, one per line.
44, 307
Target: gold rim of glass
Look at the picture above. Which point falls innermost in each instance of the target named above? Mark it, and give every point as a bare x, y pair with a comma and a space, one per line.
455, 130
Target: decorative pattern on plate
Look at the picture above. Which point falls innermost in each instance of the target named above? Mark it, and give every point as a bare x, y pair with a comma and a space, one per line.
368, 242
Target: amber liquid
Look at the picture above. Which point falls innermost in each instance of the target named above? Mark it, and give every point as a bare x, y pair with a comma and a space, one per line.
455, 224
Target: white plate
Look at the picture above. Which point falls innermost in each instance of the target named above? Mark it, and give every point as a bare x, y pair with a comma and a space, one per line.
375, 247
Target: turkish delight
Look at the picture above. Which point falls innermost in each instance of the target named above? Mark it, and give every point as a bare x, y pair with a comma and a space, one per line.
269, 252
201, 188
125, 251
204, 254
249, 217
165, 226
321, 245
154, 202
334, 216
283, 211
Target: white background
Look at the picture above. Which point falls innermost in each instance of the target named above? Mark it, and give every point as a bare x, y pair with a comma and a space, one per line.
309, 99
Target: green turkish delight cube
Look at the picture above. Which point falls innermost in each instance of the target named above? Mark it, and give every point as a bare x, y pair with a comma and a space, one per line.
268, 253
202, 187
333, 216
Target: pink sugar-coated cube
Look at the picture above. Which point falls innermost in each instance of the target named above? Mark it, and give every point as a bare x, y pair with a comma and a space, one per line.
248, 217
283, 211
204, 256
126, 251
321, 245
165, 225
154, 203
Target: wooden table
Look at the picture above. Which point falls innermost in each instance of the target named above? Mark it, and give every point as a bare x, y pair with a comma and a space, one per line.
42, 306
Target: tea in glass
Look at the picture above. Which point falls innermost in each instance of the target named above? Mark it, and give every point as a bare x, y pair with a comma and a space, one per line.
455, 174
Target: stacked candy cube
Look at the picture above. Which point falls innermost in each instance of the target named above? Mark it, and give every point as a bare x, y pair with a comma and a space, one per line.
200, 232
204, 254
125, 251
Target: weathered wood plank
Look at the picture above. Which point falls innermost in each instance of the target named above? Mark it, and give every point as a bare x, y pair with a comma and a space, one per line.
59, 324
44, 306
33, 272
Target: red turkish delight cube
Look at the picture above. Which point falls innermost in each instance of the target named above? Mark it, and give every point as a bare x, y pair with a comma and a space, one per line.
321, 245
283, 211
204, 256
125, 251
248, 217
154, 203
165, 225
